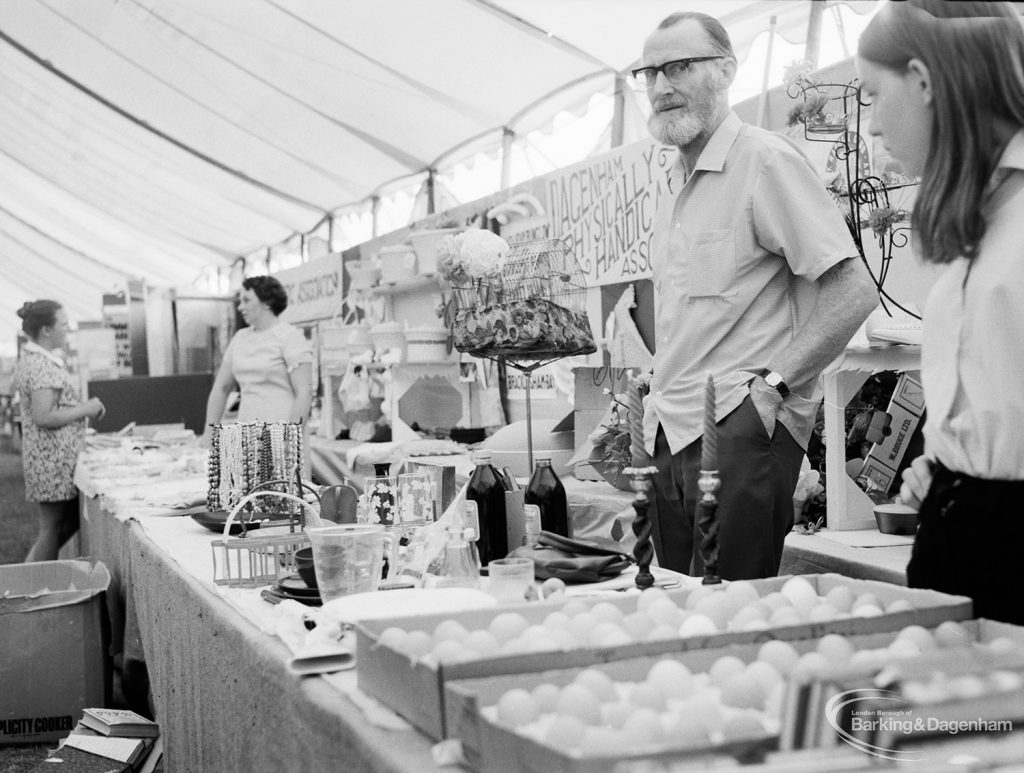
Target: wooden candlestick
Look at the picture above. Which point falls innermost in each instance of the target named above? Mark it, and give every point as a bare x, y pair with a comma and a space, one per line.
643, 551
707, 522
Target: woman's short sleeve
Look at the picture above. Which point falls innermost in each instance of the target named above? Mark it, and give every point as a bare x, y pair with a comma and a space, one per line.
298, 350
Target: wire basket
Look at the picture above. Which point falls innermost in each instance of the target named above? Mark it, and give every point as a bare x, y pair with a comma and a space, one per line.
534, 308
259, 558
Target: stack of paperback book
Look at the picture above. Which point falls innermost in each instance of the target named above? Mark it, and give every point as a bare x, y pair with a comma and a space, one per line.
107, 741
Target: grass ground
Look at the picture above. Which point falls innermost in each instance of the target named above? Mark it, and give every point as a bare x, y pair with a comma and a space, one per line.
17, 533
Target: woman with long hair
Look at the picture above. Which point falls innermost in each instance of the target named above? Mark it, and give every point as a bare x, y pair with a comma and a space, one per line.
946, 83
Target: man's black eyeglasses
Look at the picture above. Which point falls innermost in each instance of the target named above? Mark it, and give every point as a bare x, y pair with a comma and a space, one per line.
645, 77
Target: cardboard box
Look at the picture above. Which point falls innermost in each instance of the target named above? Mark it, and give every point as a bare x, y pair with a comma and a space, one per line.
55, 637
905, 409
415, 689
491, 747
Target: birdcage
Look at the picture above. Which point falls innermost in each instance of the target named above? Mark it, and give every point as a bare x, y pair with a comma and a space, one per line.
533, 308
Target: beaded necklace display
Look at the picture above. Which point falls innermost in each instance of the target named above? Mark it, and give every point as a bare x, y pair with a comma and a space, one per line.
245, 455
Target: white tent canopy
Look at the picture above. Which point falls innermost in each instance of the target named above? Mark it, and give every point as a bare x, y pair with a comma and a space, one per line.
158, 138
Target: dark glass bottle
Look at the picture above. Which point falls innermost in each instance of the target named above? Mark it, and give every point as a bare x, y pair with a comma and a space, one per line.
546, 491
487, 489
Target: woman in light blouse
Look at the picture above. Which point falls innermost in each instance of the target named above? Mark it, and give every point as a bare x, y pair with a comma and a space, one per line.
946, 83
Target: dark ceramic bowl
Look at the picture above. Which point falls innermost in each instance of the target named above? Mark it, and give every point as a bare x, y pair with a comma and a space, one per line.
896, 519
304, 566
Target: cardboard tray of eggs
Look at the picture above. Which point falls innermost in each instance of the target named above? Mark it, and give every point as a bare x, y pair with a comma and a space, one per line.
734, 702
405, 663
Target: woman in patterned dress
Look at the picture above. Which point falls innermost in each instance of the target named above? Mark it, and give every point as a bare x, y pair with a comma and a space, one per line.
53, 423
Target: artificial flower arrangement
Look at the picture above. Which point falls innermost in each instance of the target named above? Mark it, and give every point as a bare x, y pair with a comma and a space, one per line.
618, 442
812, 110
509, 301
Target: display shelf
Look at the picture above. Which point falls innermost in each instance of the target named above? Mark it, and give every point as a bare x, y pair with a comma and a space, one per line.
847, 505
409, 285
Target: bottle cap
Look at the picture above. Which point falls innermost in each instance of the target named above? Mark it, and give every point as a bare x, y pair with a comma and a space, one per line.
482, 455
542, 457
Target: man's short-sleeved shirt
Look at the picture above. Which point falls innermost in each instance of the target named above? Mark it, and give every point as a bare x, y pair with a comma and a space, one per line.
736, 252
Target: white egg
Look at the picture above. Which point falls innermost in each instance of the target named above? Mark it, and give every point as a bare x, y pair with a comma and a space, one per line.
743, 691
541, 644
766, 674
579, 701
664, 611
841, 598
697, 625
821, 613
742, 725
482, 642
517, 707
866, 599
638, 625
1003, 645
672, 678
614, 715
582, 624
507, 626
686, 730
394, 637
574, 607
606, 612
449, 629
599, 683
747, 614
642, 728
951, 634
903, 648
565, 732
811, 664
418, 643
602, 742
552, 587
774, 600
724, 668
451, 651
796, 588
546, 695
837, 649
694, 596
921, 636
557, 620
780, 654
649, 596
647, 695
899, 605
743, 591
784, 616
717, 607
664, 633
867, 610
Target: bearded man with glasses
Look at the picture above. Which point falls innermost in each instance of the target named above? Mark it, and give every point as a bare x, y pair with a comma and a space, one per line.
757, 283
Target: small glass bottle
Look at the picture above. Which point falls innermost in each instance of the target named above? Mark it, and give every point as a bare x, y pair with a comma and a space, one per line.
546, 491
460, 567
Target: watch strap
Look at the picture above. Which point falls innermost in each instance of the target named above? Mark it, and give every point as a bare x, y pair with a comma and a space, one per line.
779, 385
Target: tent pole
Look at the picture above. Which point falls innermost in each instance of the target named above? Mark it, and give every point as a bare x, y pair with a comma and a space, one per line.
619, 110
375, 215
304, 248
430, 191
507, 137
330, 233
813, 47
762, 102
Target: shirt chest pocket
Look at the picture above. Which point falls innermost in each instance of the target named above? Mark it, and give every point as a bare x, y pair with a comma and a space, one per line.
711, 265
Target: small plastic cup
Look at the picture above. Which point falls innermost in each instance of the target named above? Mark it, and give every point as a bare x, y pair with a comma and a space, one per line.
348, 558
510, 579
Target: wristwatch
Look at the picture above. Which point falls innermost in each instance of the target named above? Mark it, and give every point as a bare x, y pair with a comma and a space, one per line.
774, 380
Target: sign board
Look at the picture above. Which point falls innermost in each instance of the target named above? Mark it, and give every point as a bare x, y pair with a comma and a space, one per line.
604, 208
314, 289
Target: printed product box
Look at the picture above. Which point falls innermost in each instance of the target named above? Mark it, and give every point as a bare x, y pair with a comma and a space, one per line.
54, 636
905, 408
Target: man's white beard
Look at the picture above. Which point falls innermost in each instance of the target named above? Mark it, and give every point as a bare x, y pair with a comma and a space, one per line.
678, 130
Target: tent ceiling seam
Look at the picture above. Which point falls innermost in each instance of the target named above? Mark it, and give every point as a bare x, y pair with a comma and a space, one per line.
161, 134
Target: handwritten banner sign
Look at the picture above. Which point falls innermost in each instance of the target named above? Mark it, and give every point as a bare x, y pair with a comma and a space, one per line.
314, 289
604, 208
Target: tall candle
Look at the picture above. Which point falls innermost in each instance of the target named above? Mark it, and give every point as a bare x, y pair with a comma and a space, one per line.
709, 444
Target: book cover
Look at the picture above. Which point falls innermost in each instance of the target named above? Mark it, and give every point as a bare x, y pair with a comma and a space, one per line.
120, 722
68, 759
127, 750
